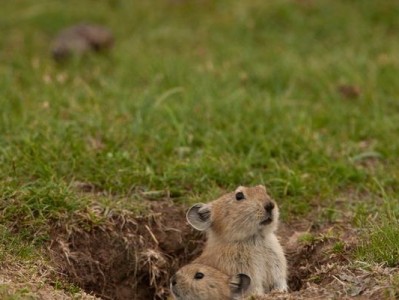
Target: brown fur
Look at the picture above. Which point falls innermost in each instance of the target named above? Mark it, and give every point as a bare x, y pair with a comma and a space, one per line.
215, 285
241, 237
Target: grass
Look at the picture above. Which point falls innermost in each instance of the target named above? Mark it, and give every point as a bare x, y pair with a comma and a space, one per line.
380, 243
17, 295
15, 246
195, 99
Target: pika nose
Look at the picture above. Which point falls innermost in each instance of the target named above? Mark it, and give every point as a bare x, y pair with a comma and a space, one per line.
269, 207
173, 280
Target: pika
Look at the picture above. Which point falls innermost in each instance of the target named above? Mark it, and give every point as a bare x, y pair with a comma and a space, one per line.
202, 282
240, 228
80, 39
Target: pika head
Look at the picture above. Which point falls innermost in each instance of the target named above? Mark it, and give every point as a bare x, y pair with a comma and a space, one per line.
245, 213
201, 282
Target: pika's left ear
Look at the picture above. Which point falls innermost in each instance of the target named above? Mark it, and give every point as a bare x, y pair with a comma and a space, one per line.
239, 284
199, 216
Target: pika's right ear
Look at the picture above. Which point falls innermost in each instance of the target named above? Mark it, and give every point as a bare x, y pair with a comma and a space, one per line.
239, 284
199, 216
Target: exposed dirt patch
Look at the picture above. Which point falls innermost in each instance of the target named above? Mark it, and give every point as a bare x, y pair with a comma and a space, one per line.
321, 266
128, 257
310, 246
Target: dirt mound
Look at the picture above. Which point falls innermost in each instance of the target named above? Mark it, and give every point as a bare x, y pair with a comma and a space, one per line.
310, 250
126, 258
321, 265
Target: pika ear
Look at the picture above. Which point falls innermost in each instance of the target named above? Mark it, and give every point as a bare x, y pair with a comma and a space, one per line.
239, 284
199, 216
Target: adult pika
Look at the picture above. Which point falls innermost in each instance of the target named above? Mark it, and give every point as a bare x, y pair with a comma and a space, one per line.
240, 228
202, 282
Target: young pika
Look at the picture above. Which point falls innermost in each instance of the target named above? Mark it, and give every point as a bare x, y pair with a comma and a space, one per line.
241, 238
202, 282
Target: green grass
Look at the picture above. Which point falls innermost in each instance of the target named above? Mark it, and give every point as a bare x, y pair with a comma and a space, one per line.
381, 239
15, 246
382, 244
14, 295
196, 99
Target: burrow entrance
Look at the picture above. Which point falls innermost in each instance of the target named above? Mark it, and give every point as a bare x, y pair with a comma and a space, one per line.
128, 257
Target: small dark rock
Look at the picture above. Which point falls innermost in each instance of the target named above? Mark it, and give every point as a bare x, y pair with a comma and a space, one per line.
349, 91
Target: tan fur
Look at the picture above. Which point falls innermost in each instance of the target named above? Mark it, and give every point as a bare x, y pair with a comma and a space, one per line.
238, 242
215, 285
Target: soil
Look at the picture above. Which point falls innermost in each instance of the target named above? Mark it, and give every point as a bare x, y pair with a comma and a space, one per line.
134, 257
127, 258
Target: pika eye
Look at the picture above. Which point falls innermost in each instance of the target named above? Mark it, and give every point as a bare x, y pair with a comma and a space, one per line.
199, 275
240, 196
